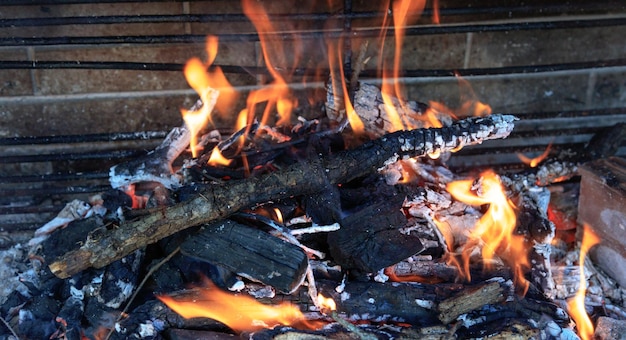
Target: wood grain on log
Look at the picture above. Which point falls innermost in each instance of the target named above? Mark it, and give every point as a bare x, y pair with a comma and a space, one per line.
465, 302
249, 252
222, 200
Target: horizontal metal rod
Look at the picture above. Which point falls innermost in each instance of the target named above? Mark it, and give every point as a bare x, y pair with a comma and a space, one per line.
332, 34
40, 192
54, 177
256, 70
277, 17
109, 155
97, 137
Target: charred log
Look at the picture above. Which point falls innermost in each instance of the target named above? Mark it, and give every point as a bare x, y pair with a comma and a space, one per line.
249, 252
370, 239
221, 200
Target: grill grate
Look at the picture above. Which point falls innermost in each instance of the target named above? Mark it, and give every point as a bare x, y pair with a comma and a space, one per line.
41, 173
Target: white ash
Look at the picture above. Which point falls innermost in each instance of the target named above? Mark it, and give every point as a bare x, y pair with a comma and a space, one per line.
72, 211
426, 304
381, 277
315, 228
237, 286
260, 292
344, 296
147, 330
13, 270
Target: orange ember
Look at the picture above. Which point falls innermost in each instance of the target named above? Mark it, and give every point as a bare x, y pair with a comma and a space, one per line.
494, 231
533, 162
394, 277
577, 304
239, 312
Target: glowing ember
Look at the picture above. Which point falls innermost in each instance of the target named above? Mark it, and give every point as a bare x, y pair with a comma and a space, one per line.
577, 304
394, 277
533, 162
239, 312
217, 158
495, 229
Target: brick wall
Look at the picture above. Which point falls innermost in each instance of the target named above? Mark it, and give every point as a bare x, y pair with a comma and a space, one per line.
71, 101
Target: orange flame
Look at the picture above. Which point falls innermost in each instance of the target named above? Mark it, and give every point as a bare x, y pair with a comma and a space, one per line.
239, 312
326, 304
470, 105
217, 158
577, 304
277, 94
205, 83
403, 10
334, 59
436, 17
533, 162
495, 229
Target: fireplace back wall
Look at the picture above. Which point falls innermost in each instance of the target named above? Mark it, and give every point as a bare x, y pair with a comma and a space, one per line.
87, 83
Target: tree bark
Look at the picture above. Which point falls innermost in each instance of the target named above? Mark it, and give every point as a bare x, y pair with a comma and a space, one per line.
103, 246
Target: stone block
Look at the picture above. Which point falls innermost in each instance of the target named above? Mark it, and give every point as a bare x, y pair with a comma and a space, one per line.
602, 206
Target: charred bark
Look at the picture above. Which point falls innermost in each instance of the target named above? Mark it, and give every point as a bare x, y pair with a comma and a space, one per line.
104, 246
249, 252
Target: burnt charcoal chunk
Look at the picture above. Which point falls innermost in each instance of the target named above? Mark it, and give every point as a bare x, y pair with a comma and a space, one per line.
369, 239
249, 252
324, 207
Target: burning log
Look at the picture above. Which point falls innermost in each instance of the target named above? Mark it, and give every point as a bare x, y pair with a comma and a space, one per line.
156, 166
221, 200
249, 252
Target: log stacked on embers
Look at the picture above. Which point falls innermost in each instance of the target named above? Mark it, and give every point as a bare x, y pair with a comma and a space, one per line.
347, 224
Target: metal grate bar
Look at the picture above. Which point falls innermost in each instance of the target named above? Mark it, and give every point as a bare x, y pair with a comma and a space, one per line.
333, 34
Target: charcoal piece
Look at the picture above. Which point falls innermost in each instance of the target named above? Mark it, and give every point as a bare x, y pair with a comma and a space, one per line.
114, 199
120, 280
606, 142
187, 334
412, 303
324, 207
369, 238
69, 237
69, 318
37, 318
249, 252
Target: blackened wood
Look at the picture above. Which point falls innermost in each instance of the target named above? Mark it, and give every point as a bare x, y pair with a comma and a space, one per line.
220, 201
370, 239
249, 252
412, 303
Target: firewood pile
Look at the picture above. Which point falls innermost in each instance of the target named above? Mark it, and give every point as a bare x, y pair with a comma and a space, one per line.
311, 229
